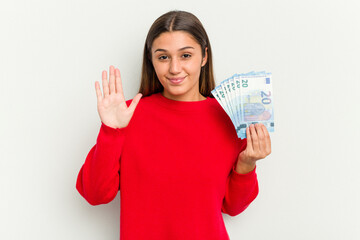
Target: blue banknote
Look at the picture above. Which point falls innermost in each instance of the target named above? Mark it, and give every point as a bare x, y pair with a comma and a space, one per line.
247, 98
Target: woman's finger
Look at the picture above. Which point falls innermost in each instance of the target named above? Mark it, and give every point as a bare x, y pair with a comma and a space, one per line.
105, 84
254, 137
248, 140
135, 102
119, 88
98, 91
112, 80
248, 152
261, 138
267, 140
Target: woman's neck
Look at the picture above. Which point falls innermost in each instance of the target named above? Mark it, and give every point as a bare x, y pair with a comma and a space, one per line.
184, 98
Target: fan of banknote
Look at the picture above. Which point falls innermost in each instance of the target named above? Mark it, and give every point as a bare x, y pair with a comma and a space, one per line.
247, 98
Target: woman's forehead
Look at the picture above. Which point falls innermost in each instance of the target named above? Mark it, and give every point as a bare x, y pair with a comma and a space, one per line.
175, 41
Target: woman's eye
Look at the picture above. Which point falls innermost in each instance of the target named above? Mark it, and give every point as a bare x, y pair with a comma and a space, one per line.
162, 57
186, 55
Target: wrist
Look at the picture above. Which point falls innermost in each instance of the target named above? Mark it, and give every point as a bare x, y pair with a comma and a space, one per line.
244, 168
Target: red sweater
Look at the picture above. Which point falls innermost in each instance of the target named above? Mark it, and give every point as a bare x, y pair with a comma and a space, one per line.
174, 165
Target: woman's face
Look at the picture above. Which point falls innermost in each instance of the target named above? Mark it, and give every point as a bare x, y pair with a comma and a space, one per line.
177, 59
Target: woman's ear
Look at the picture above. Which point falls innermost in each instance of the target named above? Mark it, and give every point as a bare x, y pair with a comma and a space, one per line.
204, 60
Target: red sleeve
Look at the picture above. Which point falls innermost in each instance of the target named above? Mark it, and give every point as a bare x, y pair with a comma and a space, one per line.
98, 180
241, 190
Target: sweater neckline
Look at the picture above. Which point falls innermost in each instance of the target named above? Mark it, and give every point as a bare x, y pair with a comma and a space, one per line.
180, 105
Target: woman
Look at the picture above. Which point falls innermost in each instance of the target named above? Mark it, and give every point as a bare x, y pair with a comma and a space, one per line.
174, 155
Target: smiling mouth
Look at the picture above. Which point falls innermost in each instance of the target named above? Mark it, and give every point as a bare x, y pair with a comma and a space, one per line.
176, 80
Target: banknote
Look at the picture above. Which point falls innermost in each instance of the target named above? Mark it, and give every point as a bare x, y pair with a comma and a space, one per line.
247, 98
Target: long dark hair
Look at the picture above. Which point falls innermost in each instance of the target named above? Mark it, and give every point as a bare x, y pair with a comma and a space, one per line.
176, 21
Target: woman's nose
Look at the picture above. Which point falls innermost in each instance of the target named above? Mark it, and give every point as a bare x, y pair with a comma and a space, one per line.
175, 66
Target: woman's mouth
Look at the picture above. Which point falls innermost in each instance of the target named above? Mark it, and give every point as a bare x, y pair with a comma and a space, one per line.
177, 80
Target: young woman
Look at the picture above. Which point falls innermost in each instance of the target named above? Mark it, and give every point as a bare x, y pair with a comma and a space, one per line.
174, 155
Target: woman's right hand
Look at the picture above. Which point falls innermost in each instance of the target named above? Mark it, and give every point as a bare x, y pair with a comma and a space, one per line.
111, 106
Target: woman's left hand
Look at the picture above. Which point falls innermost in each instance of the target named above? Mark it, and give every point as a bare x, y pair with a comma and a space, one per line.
258, 147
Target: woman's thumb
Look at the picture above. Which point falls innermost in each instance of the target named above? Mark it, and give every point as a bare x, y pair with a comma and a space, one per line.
135, 102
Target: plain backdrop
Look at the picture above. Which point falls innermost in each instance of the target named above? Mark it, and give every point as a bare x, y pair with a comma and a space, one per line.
52, 52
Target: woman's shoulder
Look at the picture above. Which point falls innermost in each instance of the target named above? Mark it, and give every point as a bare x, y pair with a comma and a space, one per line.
144, 99
215, 105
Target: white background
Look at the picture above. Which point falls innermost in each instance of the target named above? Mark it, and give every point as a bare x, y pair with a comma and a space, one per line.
52, 52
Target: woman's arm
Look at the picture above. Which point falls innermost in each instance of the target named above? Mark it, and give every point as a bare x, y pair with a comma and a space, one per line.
242, 185
241, 190
98, 179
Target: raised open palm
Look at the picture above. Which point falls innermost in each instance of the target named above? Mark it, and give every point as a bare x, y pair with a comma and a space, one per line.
111, 105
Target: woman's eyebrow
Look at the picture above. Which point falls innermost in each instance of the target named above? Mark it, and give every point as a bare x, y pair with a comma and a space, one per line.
184, 48
181, 49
